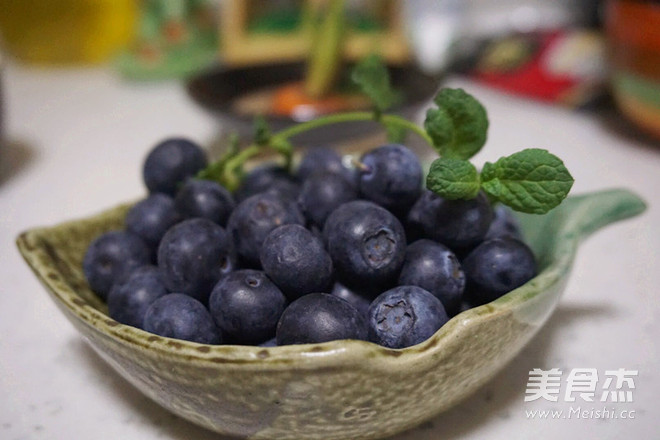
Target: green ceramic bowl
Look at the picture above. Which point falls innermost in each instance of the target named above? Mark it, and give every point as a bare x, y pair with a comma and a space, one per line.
334, 390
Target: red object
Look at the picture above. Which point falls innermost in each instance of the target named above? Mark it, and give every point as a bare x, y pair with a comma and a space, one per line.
561, 66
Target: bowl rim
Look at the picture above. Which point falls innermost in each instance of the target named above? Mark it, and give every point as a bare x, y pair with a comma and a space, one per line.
33, 245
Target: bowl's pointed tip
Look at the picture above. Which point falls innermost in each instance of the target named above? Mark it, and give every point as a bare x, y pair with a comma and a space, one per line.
626, 202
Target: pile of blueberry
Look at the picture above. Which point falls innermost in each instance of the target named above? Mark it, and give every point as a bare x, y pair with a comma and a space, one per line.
328, 252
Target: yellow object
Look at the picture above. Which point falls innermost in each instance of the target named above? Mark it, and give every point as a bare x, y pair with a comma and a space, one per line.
66, 31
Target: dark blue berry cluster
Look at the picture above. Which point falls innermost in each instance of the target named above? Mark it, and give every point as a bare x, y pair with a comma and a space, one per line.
334, 250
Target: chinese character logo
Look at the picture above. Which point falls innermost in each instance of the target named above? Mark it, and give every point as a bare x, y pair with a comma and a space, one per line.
622, 387
581, 382
543, 384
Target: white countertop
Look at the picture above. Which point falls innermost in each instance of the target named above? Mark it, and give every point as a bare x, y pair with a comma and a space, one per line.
76, 141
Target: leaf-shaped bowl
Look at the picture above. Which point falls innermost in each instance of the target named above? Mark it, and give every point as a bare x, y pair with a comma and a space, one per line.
334, 390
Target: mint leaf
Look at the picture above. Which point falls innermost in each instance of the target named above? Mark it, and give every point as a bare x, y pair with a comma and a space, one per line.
532, 181
261, 131
373, 79
453, 179
459, 124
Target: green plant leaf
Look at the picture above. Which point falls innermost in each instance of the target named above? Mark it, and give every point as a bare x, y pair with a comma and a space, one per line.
373, 79
458, 125
261, 131
532, 181
453, 179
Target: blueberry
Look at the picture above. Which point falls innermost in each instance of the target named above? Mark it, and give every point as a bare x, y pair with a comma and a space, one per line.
296, 261
112, 256
193, 255
128, 301
391, 177
180, 316
323, 160
357, 299
414, 220
366, 243
496, 267
454, 223
170, 163
320, 317
435, 268
405, 316
246, 306
268, 178
152, 217
504, 224
205, 199
323, 193
254, 218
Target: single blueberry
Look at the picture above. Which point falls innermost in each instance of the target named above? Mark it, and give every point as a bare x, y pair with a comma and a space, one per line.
357, 299
254, 218
271, 178
366, 242
193, 255
151, 218
454, 223
415, 218
497, 266
320, 317
170, 163
205, 199
296, 261
504, 224
324, 160
405, 316
128, 301
246, 306
391, 176
435, 268
111, 257
323, 193
180, 316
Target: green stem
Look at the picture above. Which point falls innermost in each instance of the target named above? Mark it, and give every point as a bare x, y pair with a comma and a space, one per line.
398, 121
235, 163
229, 168
392, 120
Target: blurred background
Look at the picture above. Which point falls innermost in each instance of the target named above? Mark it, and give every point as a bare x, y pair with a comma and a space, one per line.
575, 53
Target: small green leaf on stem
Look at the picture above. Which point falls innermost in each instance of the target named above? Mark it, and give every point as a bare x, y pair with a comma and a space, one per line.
458, 125
453, 179
285, 148
371, 75
261, 131
532, 181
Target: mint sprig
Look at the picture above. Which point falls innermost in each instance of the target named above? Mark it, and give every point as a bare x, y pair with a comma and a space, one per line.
532, 180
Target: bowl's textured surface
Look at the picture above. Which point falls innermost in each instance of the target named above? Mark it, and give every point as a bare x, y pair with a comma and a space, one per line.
335, 390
